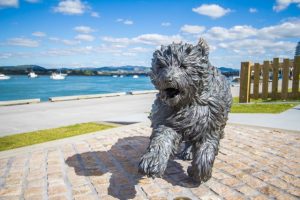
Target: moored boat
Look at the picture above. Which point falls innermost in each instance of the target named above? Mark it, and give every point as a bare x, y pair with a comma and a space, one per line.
4, 77
32, 75
56, 76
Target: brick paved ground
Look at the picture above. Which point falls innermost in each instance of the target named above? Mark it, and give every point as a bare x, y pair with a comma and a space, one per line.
253, 163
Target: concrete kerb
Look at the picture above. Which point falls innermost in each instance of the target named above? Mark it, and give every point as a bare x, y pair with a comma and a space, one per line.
264, 127
19, 102
79, 97
76, 97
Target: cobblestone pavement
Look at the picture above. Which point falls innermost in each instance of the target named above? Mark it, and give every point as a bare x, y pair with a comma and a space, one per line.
253, 163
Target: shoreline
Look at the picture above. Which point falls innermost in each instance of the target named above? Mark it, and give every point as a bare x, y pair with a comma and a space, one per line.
74, 97
234, 91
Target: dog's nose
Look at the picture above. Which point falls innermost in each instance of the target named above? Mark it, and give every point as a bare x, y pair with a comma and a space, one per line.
168, 79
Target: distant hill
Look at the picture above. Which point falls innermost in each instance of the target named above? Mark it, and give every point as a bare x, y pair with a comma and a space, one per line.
124, 68
22, 69
98, 71
229, 71
25, 69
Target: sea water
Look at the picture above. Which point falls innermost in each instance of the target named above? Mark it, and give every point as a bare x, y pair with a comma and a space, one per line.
22, 87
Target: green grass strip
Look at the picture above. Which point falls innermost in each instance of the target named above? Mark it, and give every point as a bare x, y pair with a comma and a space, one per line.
269, 100
36, 137
261, 108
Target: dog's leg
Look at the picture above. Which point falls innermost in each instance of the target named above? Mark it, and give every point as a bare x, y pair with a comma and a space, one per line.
163, 143
204, 157
187, 153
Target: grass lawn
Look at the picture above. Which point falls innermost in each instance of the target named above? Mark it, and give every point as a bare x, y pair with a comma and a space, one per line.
261, 108
236, 100
35, 137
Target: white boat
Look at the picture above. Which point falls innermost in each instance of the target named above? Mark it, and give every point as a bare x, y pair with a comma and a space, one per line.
121, 76
115, 76
4, 77
56, 76
135, 76
235, 81
32, 75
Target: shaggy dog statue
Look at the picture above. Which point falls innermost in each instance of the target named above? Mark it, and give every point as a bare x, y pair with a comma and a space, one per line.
192, 106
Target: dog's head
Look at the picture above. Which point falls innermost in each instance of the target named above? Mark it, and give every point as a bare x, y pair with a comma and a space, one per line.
177, 71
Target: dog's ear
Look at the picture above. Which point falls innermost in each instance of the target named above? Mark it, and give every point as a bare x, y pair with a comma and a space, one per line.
203, 47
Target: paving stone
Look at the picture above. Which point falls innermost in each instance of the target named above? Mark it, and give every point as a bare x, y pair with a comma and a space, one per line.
33, 191
253, 163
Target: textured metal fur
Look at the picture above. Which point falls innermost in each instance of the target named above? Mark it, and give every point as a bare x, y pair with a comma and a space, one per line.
191, 107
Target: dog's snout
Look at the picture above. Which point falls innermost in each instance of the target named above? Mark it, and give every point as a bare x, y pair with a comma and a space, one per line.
169, 79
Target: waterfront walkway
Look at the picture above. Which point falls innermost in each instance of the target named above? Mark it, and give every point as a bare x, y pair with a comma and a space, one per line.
127, 109
253, 163
31, 117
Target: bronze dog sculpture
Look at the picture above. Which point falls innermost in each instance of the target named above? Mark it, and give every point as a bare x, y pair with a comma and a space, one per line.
192, 106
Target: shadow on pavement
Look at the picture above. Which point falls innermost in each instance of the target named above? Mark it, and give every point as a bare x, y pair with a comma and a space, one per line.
120, 164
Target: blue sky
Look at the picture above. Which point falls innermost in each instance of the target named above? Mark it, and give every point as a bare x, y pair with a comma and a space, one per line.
95, 33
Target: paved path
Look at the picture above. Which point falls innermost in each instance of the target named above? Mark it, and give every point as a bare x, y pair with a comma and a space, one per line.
129, 108
31, 117
253, 163
288, 120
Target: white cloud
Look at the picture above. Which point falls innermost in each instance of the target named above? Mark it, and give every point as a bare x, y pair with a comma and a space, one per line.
23, 42
192, 29
5, 55
84, 29
148, 39
128, 22
166, 24
125, 41
157, 39
95, 14
212, 10
39, 34
283, 4
55, 39
9, 3
258, 46
140, 49
85, 37
70, 42
252, 10
236, 32
124, 21
65, 41
290, 29
70, 7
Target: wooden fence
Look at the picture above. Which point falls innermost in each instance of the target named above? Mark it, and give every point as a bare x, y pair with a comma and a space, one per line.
269, 80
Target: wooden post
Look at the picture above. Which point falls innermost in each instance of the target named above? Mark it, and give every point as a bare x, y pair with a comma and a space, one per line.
285, 79
256, 80
275, 78
296, 71
245, 83
265, 85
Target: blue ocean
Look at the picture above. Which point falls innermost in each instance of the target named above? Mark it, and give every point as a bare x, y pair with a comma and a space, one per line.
22, 87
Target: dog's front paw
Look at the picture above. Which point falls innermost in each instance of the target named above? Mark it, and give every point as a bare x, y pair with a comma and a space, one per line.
199, 175
152, 165
185, 155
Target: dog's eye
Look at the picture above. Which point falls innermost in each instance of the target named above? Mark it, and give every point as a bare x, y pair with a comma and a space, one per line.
183, 66
160, 66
